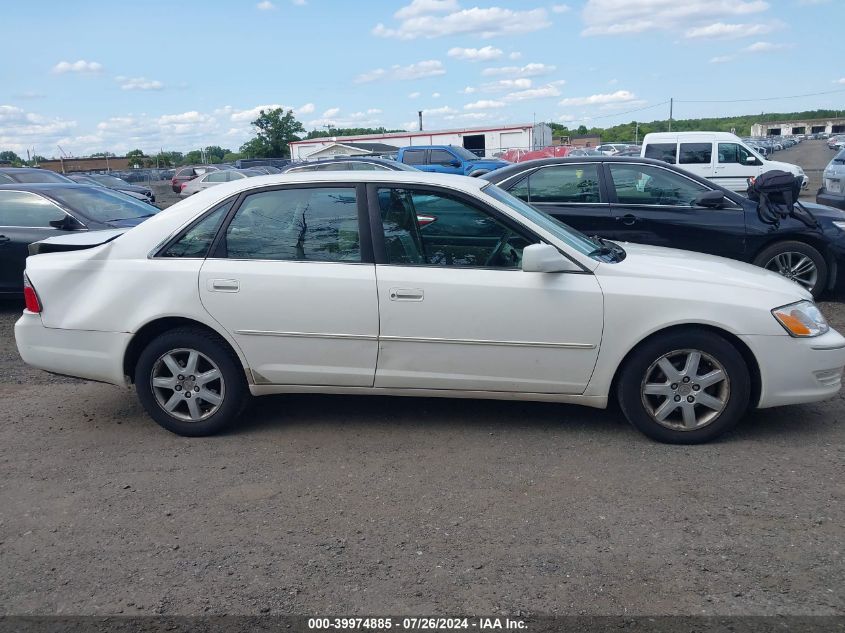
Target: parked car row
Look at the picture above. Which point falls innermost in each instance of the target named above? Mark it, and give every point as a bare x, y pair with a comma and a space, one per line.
836, 142
406, 283
832, 192
118, 184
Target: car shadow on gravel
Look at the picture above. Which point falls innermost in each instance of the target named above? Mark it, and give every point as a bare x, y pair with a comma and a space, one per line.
804, 423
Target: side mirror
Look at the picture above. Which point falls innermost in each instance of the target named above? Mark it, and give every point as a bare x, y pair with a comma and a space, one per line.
750, 160
710, 199
545, 258
67, 223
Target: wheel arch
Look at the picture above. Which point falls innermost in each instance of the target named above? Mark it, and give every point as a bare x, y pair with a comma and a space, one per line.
156, 327
744, 351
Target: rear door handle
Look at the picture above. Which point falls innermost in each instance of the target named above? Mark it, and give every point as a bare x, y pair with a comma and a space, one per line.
406, 294
224, 285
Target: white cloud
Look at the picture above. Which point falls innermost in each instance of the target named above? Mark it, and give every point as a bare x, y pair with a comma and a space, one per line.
368, 118
763, 47
729, 31
529, 70
306, 108
484, 104
721, 59
419, 70
543, 92
21, 130
840, 81
433, 112
599, 99
421, 7
331, 112
484, 54
515, 55
566, 118
561, 8
265, 5
469, 90
435, 95
299, 3
80, 66
504, 85
139, 83
416, 20
414, 95
620, 17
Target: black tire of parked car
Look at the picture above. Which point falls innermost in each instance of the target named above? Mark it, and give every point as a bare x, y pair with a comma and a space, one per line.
633, 376
236, 392
792, 246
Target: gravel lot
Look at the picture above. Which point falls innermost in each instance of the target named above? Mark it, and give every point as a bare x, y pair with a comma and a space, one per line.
338, 505
356, 505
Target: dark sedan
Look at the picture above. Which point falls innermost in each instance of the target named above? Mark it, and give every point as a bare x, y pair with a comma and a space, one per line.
650, 202
111, 182
33, 212
348, 163
29, 175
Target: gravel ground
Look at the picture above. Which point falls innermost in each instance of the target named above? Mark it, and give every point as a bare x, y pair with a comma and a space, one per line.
357, 505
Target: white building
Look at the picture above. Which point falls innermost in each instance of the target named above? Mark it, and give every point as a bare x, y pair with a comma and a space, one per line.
799, 126
484, 141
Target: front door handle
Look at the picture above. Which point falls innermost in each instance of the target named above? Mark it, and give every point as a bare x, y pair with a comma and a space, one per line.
4, 240
224, 285
628, 219
406, 294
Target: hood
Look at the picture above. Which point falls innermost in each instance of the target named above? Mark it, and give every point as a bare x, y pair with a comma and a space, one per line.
824, 213
712, 276
134, 188
124, 224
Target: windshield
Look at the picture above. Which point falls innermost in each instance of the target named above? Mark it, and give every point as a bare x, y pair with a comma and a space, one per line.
109, 180
463, 153
563, 232
41, 175
101, 205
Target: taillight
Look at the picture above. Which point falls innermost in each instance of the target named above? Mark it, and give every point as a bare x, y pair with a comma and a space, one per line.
183, 185
30, 297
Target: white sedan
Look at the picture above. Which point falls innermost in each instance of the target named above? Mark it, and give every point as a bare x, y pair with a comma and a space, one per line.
416, 284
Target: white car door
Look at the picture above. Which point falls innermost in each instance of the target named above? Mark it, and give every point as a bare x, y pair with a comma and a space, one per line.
456, 310
293, 282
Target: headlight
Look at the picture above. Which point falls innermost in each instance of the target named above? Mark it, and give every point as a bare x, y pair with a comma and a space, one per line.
802, 319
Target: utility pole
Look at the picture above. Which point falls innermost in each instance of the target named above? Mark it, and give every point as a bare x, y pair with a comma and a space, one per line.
671, 104
637, 133
419, 113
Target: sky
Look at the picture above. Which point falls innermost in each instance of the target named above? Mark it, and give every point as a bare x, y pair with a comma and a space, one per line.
93, 76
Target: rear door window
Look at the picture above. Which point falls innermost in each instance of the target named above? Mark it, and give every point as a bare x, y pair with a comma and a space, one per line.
24, 209
695, 154
666, 152
414, 157
561, 184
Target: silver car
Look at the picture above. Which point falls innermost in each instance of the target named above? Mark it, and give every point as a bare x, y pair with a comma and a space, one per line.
212, 178
832, 192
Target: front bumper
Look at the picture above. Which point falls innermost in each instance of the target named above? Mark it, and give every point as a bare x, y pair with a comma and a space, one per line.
798, 370
836, 200
79, 353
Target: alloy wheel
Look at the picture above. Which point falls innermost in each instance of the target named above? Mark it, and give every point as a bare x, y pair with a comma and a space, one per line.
795, 266
187, 384
685, 390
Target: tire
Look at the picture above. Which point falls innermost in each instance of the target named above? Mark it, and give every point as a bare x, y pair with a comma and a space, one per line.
180, 405
792, 255
646, 392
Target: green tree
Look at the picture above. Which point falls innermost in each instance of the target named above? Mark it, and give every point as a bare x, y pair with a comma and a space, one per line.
275, 130
10, 157
136, 158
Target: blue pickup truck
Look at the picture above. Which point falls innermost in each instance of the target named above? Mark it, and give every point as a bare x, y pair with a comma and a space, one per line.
448, 159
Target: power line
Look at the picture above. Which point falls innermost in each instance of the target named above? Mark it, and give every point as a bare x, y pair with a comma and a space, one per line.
809, 94
607, 116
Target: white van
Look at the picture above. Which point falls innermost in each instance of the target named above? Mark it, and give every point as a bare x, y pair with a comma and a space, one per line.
718, 156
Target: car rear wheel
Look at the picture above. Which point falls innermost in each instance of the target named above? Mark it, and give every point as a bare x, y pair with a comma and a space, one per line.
190, 382
797, 261
685, 387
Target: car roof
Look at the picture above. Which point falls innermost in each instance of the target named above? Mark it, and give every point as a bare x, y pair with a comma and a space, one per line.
516, 168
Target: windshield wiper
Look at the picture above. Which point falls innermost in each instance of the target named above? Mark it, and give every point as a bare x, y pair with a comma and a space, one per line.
134, 217
607, 249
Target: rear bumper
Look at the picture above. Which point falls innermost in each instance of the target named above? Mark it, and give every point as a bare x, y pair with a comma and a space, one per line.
78, 353
795, 371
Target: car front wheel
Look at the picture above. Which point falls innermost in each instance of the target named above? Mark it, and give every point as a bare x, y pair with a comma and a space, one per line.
685, 387
190, 382
797, 261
